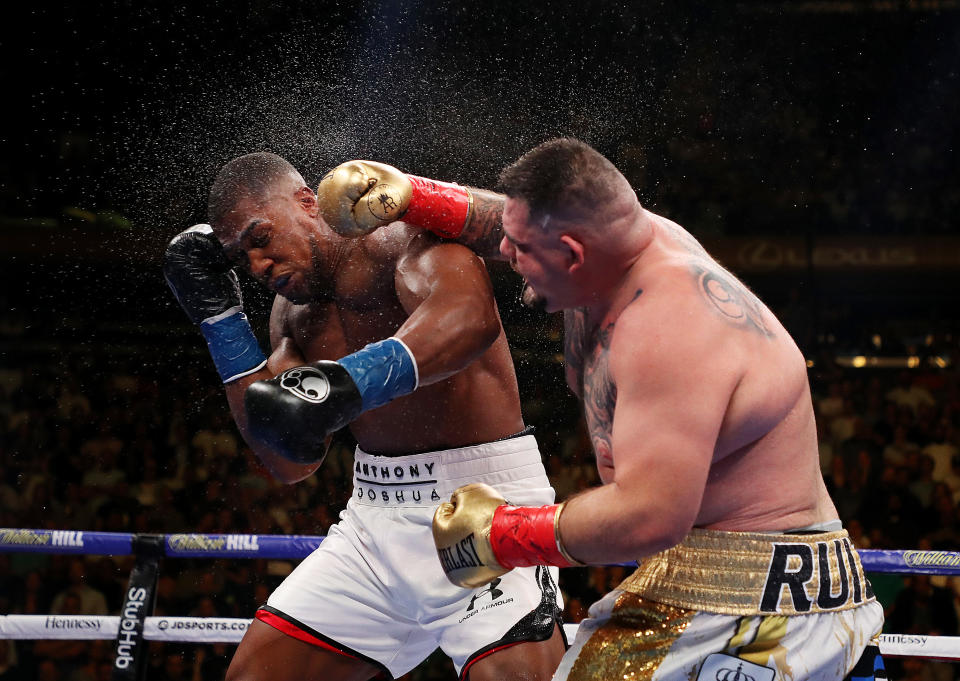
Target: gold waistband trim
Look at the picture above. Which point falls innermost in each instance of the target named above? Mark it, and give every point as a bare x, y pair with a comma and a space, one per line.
755, 573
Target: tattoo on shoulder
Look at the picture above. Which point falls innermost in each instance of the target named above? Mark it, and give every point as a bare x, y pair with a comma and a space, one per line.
729, 298
485, 230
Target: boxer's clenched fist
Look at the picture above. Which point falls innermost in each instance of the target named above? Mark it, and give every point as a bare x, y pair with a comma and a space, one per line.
207, 289
199, 275
480, 536
297, 411
461, 531
357, 197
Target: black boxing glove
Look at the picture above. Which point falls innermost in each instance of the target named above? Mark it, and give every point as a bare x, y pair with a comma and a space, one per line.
295, 411
207, 289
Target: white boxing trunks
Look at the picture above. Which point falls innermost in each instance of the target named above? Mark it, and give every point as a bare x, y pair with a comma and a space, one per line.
374, 588
731, 606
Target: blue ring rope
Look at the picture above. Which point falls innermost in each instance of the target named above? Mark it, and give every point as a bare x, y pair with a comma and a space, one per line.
17, 540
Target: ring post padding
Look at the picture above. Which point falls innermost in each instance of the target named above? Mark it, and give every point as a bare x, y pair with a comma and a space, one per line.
138, 602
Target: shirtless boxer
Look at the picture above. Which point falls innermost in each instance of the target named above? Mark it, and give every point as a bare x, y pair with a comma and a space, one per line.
699, 411
425, 377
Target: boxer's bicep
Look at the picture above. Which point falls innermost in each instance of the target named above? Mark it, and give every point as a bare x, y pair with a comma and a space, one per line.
284, 350
672, 389
656, 419
453, 318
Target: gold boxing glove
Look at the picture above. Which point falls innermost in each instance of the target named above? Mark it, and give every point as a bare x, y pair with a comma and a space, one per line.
357, 197
461, 531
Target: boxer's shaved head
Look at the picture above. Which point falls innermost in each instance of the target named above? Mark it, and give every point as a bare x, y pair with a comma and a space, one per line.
250, 176
564, 178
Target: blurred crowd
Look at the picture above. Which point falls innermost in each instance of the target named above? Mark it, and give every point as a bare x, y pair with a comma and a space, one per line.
103, 445
730, 124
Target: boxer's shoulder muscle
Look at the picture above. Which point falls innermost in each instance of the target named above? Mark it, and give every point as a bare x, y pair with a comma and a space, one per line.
694, 313
678, 236
364, 279
728, 299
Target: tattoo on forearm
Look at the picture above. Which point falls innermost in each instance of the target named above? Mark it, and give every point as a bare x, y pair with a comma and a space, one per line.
485, 230
730, 299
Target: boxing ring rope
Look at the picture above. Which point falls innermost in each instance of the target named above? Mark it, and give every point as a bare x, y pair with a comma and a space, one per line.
136, 623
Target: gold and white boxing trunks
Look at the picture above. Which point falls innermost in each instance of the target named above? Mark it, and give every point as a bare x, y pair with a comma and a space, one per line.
726, 606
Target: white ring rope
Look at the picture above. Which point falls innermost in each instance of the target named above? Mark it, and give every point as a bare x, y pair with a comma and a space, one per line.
230, 630
91, 627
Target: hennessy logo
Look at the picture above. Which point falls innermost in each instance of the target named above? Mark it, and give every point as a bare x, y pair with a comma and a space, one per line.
726, 674
492, 589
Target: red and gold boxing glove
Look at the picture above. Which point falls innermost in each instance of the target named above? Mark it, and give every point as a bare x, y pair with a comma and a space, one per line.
479, 536
357, 197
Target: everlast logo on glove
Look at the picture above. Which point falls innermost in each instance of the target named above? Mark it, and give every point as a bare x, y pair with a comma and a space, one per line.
463, 554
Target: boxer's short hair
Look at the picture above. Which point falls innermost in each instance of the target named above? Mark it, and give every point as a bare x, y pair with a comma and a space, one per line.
250, 175
563, 177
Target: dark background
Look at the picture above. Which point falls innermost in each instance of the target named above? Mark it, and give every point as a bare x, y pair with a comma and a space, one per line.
782, 119
826, 130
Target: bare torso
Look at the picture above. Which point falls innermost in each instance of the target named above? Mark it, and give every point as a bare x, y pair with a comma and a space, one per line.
764, 473
478, 404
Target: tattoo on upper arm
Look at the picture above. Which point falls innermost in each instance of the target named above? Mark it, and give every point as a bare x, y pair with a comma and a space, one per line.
729, 298
600, 396
485, 230
598, 389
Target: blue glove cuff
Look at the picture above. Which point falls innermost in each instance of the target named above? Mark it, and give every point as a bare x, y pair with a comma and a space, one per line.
382, 371
233, 346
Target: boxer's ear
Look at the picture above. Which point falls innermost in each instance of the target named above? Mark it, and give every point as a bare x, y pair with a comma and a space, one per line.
574, 252
308, 201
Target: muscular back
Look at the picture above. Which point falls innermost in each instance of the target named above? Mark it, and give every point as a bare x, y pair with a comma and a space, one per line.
687, 347
402, 279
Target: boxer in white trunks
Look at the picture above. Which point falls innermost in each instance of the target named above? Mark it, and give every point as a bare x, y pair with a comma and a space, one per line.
426, 383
